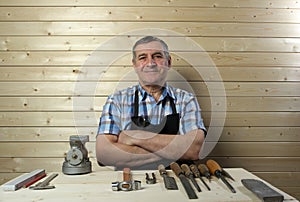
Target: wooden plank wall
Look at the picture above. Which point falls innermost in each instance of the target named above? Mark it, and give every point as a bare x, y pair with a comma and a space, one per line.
255, 46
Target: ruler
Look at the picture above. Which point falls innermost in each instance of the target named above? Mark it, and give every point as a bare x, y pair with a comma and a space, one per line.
24, 180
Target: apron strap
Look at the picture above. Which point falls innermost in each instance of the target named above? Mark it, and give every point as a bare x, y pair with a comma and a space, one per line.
136, 103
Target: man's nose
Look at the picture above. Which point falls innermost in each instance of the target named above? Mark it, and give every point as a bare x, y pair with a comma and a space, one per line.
150, 61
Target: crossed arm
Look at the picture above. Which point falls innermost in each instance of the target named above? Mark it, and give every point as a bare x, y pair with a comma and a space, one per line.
135, 148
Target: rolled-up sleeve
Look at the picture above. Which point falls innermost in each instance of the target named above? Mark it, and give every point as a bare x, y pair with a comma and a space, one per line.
191, 118
110, 118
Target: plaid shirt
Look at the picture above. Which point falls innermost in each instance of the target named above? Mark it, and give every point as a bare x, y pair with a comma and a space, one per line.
119, 108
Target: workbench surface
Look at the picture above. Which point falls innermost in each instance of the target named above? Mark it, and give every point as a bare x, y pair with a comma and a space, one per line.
96, 186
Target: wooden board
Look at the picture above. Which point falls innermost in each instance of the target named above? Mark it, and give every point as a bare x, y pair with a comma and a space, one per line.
267, 104
116, 28
119, 73
172, 14
91, 43
229, 134
95, 186
226, 149
189, 3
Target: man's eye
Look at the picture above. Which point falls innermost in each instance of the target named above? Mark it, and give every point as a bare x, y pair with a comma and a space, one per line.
157, 56
142, 58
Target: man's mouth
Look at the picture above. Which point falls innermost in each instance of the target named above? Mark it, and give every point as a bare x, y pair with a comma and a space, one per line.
149, 71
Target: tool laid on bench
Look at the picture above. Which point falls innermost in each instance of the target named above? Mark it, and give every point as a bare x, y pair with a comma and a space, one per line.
216, 170
186, 184
150, 180
196, 172
190, 175
262, 191
127, 184
44, 184
169, 182
204, 171
24, 180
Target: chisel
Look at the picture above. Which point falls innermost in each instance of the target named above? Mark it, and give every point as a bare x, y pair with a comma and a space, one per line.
188, 173
196, 172
186, 184
204, 171
169, 182
216, 169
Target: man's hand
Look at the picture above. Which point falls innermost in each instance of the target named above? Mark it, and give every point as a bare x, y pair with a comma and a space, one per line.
167, 146
130, 137
125, 138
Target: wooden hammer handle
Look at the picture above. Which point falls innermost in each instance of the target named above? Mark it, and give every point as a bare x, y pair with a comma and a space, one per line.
127, 174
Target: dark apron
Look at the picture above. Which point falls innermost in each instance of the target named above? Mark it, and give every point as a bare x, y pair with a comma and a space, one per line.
168, 125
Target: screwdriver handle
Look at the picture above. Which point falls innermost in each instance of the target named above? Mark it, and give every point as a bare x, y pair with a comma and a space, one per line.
216, 169
186, 169
162, 169
213, 167
195, 170
176, 168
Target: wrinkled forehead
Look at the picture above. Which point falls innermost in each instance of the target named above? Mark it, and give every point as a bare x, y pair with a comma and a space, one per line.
154, 46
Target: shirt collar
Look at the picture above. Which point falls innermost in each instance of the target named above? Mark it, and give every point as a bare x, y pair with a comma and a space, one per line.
166, 91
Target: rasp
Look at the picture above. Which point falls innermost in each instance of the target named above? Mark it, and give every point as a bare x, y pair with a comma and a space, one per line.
186, 184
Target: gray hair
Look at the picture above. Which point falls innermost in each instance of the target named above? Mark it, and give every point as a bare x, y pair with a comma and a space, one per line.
148, 39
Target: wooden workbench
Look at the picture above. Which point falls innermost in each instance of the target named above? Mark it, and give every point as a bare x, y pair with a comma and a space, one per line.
96, 186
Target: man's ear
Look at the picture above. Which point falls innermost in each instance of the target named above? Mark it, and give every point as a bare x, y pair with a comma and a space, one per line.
133, 62
169, 62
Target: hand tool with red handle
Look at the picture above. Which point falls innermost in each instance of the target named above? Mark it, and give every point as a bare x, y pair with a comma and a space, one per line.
186, 184
216, 170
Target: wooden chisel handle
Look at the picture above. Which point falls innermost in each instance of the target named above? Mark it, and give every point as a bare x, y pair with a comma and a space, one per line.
176, 169
213, 166
186, 169
204, 170
162, 169
195, 170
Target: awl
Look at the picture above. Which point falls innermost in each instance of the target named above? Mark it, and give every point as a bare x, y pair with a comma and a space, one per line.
186, 184
216, 169
169, 182
196, 172
188, 173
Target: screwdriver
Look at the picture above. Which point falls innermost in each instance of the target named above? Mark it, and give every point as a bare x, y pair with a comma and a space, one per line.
190, 175
196, 172
204, 171
216, 169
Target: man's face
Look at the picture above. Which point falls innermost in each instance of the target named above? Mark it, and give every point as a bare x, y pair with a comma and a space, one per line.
151, 63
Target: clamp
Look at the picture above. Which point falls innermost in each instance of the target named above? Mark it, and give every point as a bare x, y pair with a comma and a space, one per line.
150, 180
